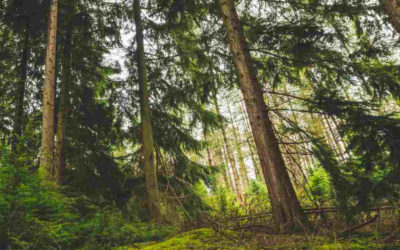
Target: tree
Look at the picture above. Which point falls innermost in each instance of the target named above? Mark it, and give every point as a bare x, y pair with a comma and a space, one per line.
46, 155
18, 123
24, 19
60, 162
285, 205
153, 196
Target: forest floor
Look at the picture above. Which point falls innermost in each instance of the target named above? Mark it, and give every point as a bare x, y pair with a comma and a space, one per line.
206, 238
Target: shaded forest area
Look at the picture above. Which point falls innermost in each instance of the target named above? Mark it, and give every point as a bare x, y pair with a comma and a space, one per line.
199, 124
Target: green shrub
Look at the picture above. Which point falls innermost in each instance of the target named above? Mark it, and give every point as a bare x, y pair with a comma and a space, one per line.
257, 198
35, 215
109, 229
32, 215
223, 203
320, 186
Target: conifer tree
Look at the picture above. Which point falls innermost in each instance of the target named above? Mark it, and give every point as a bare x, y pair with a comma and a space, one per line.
153, 196
60, 160
46, 158
18, 123
24, 18
285, 205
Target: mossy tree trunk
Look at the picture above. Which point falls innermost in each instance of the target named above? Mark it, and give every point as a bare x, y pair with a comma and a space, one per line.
153, 195
47, 150
285, 205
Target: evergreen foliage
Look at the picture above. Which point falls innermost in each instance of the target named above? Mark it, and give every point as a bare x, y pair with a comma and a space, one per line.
329, 75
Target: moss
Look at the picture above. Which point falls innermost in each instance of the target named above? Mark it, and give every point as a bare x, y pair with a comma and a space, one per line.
204, 238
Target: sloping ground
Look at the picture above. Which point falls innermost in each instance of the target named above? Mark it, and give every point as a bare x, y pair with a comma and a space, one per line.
206, 238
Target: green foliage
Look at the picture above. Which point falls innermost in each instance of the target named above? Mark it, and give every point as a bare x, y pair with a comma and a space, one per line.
222, 200
369, 174
110, 228
257, 199
320, 186
32, 214
223, 203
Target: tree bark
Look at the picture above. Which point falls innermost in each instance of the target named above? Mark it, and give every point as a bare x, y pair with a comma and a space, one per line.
230, 156
46, 156
153, 195
60, 163
285, 205
19, 109
392, 9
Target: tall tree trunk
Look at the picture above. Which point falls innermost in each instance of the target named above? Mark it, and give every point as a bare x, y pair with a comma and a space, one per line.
243, 169
227, 172
256, 165
242, 166
19, 109
62, 108
285, 205
153, 195
230, 156
253, 159
392, 9
221, 162
46, 156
